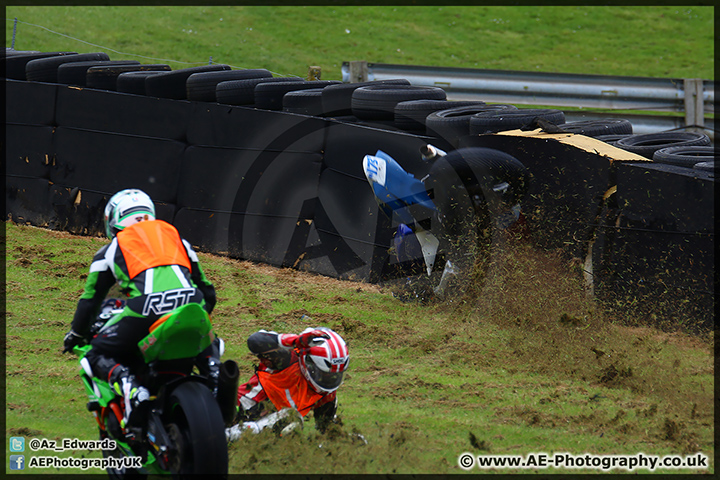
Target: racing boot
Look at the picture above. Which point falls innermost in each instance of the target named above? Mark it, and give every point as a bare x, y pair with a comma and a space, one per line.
281, 422
290, 422
136, 397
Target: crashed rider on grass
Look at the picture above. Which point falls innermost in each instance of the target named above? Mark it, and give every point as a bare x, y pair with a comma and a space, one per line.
296, 372
158, 271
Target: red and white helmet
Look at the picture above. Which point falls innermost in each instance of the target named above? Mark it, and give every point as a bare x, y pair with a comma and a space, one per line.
324, 365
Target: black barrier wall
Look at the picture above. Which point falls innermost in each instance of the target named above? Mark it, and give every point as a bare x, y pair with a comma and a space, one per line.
289, 190
647, 228
268, 186
566, 189
658, 248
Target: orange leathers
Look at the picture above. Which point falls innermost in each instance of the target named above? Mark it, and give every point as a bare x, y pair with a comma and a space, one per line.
288, 388
151, 244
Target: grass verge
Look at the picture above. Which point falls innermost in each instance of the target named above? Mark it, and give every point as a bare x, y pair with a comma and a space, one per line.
525, 364
653, 41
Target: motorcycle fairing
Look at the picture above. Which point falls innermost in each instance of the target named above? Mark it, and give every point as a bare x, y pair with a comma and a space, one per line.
407, 246
394, 188
183, 333
412, 245
429, 244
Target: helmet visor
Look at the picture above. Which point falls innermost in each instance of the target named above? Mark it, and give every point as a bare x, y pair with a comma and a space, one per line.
327, 380
134, 215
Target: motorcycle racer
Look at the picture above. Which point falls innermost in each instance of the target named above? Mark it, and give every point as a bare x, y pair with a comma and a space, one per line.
300, 372
159, 271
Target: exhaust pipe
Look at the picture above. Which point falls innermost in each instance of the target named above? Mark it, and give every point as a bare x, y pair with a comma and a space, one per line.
228, 381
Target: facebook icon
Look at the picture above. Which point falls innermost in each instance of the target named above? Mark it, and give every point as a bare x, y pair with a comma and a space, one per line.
17, 462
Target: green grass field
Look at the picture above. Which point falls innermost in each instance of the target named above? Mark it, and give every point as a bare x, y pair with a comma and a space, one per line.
505, 375
654, 41
530, 365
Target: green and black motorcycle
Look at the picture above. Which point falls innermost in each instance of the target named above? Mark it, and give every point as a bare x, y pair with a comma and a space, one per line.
184, 430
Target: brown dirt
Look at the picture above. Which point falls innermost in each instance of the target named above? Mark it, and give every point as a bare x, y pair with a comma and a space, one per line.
290, 276
679, 339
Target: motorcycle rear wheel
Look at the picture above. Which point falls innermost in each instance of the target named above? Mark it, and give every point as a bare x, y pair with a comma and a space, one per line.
195, 424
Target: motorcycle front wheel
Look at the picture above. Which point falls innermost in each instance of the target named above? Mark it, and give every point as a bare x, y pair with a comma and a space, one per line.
473, 188
195, 425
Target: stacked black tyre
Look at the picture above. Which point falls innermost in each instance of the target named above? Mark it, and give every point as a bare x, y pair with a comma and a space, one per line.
173, 84
242, 92
269, 96
648, 143
103, 77
378, 102
499, 121
411, 115
337, 99
454, 123
304, 102
75, 73
13, 64
202, 86
46, 69
687, 156
134, 82
595, 128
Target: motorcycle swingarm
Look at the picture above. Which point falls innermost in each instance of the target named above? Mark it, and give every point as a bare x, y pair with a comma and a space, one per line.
159, 440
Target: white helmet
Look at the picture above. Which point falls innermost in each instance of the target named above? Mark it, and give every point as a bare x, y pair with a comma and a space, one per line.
324, 365
126, 208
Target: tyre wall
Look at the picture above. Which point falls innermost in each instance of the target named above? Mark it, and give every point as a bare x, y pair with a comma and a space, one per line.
566, 188
658, 249
29, 150
267, 186
288, 189
644, 231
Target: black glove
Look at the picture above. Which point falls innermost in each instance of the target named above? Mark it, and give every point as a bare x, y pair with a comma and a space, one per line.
71, 340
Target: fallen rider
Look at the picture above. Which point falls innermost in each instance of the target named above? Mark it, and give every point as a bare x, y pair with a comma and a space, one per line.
297, 374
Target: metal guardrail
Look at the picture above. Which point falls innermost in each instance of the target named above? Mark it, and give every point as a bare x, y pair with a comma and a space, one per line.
693, 97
